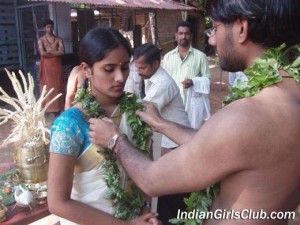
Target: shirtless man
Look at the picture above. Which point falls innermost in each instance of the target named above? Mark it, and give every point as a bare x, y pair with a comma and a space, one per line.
75, 81
51, 48
50, 45
252, 145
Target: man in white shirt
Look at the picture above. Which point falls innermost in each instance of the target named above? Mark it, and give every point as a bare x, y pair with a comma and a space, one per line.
188, 65
161, 89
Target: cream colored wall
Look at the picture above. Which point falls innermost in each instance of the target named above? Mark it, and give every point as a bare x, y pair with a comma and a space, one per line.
60, 13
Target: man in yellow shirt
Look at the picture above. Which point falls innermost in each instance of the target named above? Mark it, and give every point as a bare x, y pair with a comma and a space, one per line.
185, 62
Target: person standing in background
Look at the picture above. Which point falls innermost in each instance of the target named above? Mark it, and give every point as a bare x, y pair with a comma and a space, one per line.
189, 68
51, 48
75, 81
162, 90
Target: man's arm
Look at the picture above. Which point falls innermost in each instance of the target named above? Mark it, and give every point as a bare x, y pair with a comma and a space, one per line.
176, 132
219, 149
42, 50
51, 53
61, 49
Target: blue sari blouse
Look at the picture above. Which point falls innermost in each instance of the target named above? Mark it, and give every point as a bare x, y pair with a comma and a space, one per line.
70, 133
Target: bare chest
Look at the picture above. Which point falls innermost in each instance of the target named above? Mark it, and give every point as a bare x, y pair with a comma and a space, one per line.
51, 43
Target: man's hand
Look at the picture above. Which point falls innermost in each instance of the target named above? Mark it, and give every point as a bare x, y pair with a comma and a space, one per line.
147, 219
187, 83
151, 115
102, 130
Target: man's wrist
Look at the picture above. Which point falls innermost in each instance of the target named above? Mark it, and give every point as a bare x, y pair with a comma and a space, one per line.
121, 138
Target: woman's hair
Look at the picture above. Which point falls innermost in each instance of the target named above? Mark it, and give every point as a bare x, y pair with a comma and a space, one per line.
98, 42
149, 51
271, 22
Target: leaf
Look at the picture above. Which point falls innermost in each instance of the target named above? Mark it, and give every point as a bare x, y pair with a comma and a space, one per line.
127, 202
296, 63
265, 72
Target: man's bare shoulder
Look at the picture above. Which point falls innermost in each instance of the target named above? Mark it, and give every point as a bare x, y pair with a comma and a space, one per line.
77, 69
241, 125
264, 121
42, 39
237, 115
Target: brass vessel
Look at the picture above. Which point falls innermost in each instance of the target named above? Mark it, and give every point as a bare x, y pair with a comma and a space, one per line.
32, 163
3, 210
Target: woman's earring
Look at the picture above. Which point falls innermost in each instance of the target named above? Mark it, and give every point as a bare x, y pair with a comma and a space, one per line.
89, 87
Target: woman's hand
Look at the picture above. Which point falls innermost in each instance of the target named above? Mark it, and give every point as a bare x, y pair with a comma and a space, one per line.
102, 130
147, 219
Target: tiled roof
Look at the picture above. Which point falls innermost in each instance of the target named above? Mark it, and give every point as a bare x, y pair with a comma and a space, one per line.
134, 4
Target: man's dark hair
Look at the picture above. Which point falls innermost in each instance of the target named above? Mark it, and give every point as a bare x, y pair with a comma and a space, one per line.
184, 24
48, 22
149, 51
271, 22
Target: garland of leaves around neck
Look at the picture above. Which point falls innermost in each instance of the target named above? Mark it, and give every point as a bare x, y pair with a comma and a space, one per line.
263, 73
127, 203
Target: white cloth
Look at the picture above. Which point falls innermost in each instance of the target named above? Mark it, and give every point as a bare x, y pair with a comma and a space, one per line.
89, 186
162, 90
234, 77
134, 81
197, 105
195, 64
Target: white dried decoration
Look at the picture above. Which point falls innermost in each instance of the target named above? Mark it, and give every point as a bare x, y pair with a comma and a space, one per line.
28, 113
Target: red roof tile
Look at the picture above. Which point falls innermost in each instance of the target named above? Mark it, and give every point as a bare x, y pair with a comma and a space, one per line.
135, 4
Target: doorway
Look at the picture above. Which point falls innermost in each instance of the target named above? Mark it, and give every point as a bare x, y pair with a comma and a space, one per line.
30, 22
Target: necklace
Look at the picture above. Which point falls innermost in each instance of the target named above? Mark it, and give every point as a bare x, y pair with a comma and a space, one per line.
127, 203
49, 41
263, 73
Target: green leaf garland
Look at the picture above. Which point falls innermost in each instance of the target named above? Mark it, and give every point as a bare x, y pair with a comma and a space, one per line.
127, 202
263, 73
